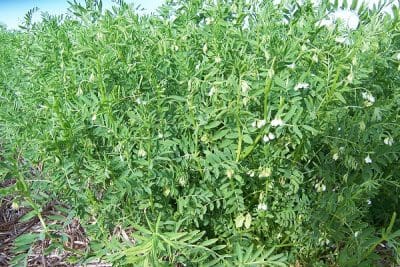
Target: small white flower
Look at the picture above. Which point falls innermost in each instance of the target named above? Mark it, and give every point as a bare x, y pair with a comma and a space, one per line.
261, 123
175, 48
246, 100
398, 56
315, 58
265, 172
356, 234
343, 40
160, 135
138, 101
335, 156
245, 87
350, 77
371, 99
271, 136
218, 59
368, 96
388, 141
291, 66
323, 188
369, 202
265, 139
142, 153
94, 117
205, 48
348, 18
182, 181
92, 77
258, 123
300, 86
14, 206
212, 91
80, 91
277, 122
230, 173
368, 160
285, 21
251, 173
320, 187
209, 21
197, 67
262, 207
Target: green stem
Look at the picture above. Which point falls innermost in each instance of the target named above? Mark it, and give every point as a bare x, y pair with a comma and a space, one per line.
268, 86
384, 236
239, 146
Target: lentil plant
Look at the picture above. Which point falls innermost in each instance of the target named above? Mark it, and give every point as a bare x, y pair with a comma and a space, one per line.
213, 133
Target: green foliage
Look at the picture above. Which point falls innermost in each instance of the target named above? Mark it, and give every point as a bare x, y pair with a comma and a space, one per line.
241, 133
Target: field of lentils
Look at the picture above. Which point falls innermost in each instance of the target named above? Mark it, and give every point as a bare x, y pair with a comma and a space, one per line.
211, 133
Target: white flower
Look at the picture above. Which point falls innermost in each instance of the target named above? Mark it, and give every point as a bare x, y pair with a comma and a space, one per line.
14, 206
80, 91
320, 187
323, 188
246, 100
251, 173
398, 56
300, 86
218, 59
348, 18
175, 48
356, 234
369, 202
230, 173
291, 66
343, 40
205, 48
368, 160
265, 172
245, 87
261, 123
197, 67
265, 139
350, 77
277, 122
271, 136
92, 77
315, 58
368, 96
212, 91
388, 141
209, 21
335, 156
285, 21
160, 135
142, 153
139, 101
182, 181
94, 117
258, 123
262, 206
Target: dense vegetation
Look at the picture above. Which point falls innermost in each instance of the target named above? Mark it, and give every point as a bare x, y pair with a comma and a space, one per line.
215, 133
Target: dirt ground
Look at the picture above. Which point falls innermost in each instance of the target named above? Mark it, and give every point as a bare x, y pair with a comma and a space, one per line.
14, 225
